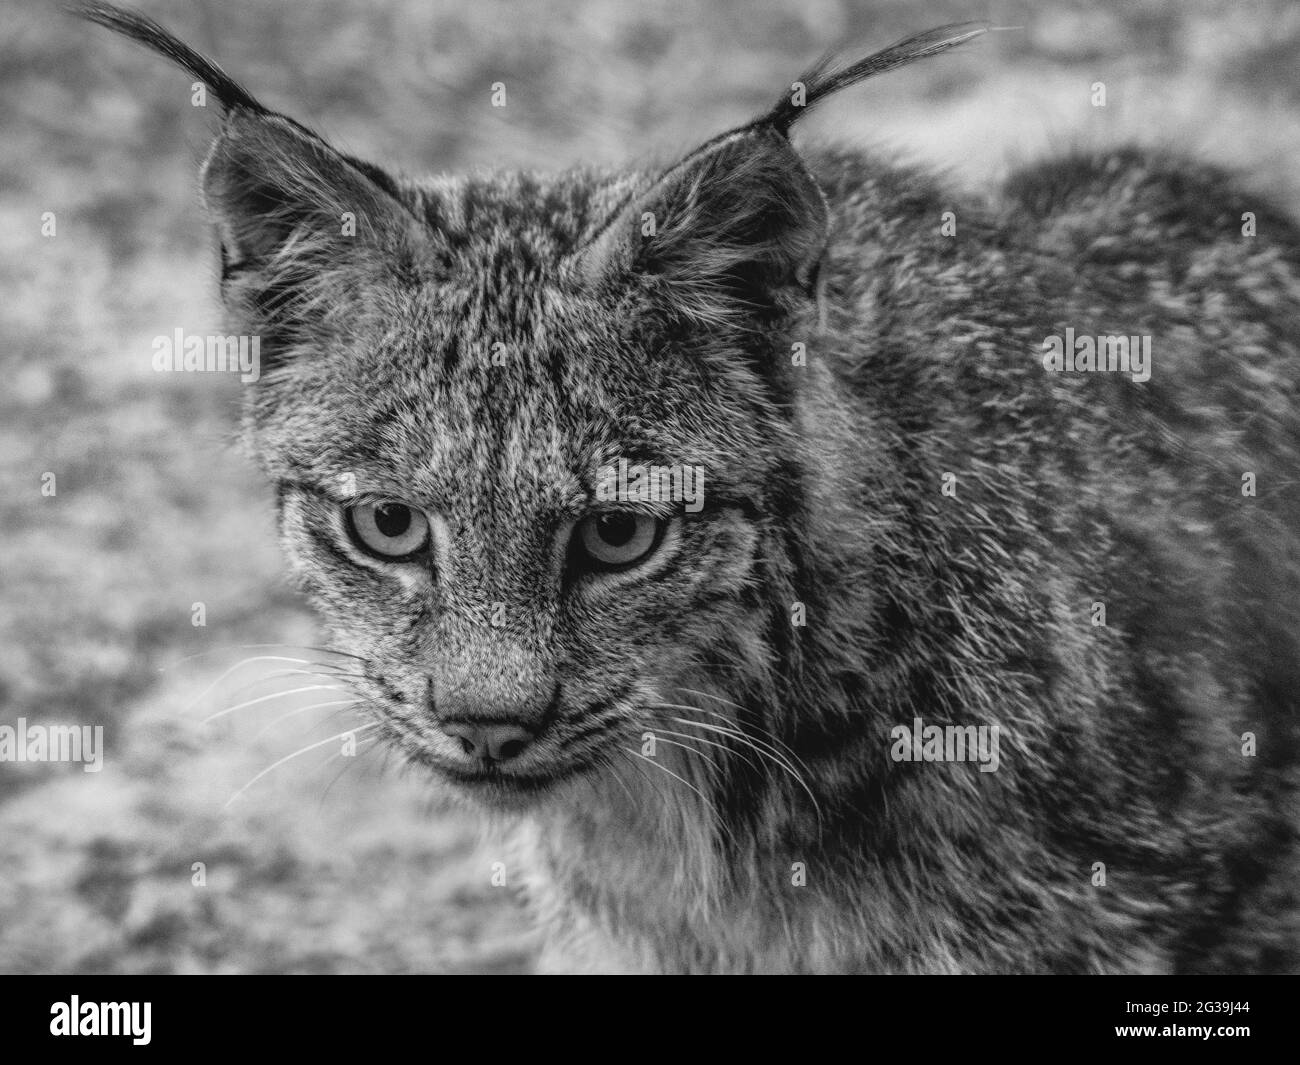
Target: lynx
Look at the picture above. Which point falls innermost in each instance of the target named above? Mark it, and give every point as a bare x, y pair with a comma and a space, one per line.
980, 654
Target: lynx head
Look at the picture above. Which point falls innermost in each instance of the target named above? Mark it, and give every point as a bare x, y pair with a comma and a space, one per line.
450, 369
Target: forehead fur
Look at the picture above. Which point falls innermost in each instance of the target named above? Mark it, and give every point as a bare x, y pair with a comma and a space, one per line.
471, 365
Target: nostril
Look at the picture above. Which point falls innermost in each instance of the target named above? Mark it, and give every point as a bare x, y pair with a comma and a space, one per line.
468, 735
511, 749
489, 743
504, 742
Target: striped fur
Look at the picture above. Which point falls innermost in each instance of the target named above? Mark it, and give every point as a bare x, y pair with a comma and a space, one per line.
483, 344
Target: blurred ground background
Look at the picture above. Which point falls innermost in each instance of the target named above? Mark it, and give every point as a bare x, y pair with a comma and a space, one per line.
155, 510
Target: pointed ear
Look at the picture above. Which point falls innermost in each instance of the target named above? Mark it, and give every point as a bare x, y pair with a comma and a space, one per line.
735, 228
271, 186
740, 225
268, 181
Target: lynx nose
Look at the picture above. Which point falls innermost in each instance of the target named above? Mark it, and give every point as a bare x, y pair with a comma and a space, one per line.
489, 742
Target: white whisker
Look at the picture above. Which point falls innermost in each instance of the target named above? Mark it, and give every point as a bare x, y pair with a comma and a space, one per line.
713, 765
766, 732
352, 760
297, 754
732, 728
258, 647
701, 739
659, 765
303, 710
238, 666
750, 742
277, 674
267, 698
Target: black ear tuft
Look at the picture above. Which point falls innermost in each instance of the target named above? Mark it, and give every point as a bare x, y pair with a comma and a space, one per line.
268, 180
144, 30
739, 225
831, 74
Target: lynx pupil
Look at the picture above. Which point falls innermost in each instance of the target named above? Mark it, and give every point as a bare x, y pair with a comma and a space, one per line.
616, 529
392, 519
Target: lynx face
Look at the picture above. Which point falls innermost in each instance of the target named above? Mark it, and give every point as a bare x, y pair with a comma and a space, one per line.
439, 454
448, 369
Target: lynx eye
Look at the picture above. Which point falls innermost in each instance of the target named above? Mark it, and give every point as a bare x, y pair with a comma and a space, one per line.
388, 529
618, 539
